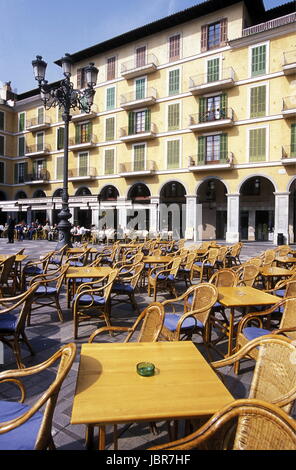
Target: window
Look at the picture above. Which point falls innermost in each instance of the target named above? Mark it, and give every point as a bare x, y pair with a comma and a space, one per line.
258, 60
214, 35
60, 138
21, 123
20, 172
293, 140
257, 145
258, 101
111, 62
109, 166
60, 167
139, 121
139, 157
2, 145
110, 98
60, 114
174, 82
141, 56
212, 108
110, 129
40, 141
1, 120
2, 169
173, 116
81, 78
83, 133
140, 86
174, 47
40, 116
38, 169
212, 149
213, 70
173, 154
83, 164
21, 146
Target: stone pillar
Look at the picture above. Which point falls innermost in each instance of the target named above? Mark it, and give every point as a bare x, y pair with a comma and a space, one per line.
95, 217
154, 214
191, 218
232, 234
281, 216
252, 222
49, 216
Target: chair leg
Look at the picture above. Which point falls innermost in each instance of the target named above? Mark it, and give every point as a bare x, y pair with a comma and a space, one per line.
17, 353
59, 310
26, 341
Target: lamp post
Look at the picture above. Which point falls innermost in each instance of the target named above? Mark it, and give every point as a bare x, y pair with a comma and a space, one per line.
66, 98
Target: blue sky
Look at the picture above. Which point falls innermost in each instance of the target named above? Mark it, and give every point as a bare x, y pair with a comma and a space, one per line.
31, 27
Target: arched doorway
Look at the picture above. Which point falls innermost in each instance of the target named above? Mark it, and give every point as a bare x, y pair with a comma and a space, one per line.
82, 217
138, 217
211, 195
108, 216
39, 216
292, 213
257, 209
173, 209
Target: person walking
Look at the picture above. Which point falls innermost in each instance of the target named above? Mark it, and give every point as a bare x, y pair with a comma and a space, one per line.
10, 230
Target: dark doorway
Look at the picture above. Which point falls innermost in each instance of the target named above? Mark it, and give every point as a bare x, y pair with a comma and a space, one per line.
261, 222
244, 224
221, 224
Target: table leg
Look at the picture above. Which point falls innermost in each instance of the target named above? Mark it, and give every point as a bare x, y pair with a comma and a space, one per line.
230, 332
102, 437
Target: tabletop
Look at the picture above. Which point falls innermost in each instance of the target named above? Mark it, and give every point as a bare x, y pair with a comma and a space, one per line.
275, 271
245, 296
184, 385
78, 250
286, 259
18, 258
88, 272
157, 259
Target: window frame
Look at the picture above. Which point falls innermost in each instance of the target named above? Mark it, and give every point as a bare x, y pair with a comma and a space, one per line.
18, 121
139, 144
78, 162
266, 84
180, 46
4, 172
115, 67
4, 119
112, 87
266, 127
4, 145
168, 81
267, 58
114, 161
180, 152
105, 128
167, 115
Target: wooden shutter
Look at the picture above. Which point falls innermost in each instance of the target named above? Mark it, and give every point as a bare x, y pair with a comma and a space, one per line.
111, 68
202, 109
204, 38
60, 138
173, 155
78, 135
109, 162
258, 60
173, 116
40, 115
213, 70
131, 123
139, 157
21, 122
1, 120
110, 122
79, 78
1, 145
110, 98
257, 145
1, 172
60, 167
83, 160
293, 140
223, 32
174, 47
174, 82
223, 106
147, 120
201, 150
25, 174
21, 146
223, 147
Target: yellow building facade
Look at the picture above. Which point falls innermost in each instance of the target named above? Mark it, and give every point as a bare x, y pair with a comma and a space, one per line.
193, 130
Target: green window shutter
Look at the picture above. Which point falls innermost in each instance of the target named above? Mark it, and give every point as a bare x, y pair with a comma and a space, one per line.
139, 157
110, 98
213, 70
174, 82
258, 101
293, 140
223, 105
60, 143
173, 154
21, 146
83, 160
16, 168
109, 162
1, 145
60, 167
223, 147
1, 121
21, 122
258, 60
147, 120
1, 172
173, 117
257, 145
131, 122
140, 88
40, 141
202, 109
110, 128
40, 115
78, 134
201, 151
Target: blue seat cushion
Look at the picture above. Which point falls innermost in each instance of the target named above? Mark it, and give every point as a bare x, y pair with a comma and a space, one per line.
8, 322
56, 260
23, 437
32, 270
45, 290
83, 280
122, 287
87, 299
280, 292
76, 264
251, 332
163, 277
171, 321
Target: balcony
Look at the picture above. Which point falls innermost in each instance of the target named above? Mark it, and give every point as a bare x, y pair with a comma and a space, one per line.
136, 68
84, 143
38, 150
131, 169
80, 115
289, 107
138, 135
289, 62
135, 99
82, 174
225, 162
38, 177
259, 28
289, 155
208, 83
38, 123
212, 119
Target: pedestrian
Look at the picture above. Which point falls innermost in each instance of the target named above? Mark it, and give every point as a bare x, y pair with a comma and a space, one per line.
10, 230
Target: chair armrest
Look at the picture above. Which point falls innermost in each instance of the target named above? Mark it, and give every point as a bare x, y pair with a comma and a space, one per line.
107, 328
19, 384
257, 315
89, 284
160, 268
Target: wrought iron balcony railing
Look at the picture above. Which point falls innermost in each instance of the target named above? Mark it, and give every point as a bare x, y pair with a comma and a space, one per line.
214, 159
83, 140
275, 23
40, 121
142, 165
148, 128
212, 115
218, 75
139, 62
39, 175
38, 149
138, 95
90, 172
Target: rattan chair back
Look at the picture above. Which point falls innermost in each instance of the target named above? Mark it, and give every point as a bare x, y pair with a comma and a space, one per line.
150, 322
204, 296
247, 274
6, 268
224, 278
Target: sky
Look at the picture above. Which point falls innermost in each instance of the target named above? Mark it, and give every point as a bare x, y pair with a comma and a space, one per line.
31, 27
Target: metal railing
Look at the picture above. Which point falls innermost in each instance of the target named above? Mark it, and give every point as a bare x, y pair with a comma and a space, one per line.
289, 151
40, 175
85, 139
281, 21
138, 63
289, 102
81, 172
226, 73
143, 165
38, 121
127, 131
215, 114
137, 95
289, 57
38, 148
223, 157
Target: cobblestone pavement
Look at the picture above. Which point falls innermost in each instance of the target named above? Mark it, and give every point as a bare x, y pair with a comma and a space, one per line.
47, 334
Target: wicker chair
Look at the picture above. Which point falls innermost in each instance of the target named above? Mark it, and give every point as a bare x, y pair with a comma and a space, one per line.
126, 285
57, 258
24, 427
8, 279
186, 270
222, 257
48, 292
13, 321
93, 301
261, 426
246, 332
247, 274
160, 278
205, 268
35, 267
80, 260
283, 250
284, 288
233, 255
268, 258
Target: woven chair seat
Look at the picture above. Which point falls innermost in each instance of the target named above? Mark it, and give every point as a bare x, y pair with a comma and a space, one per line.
163, 277
46, 290
76, 264
190, 298
23, 437
8, 323
171, 321
199, 263
280, 292
84, 280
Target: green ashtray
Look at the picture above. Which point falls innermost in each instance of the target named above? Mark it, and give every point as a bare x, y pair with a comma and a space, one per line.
146, 369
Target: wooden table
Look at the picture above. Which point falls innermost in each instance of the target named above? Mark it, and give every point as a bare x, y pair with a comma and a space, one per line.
270, 272
89, 272
157, 259
241, 297
184, 385
286, 260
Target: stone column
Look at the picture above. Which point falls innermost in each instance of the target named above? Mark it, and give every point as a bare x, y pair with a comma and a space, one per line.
154, 214
281, 216
252, 223
95, 217
232, 234
191, 218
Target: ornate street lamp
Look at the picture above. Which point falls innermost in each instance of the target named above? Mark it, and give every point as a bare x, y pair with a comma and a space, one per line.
66, 98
